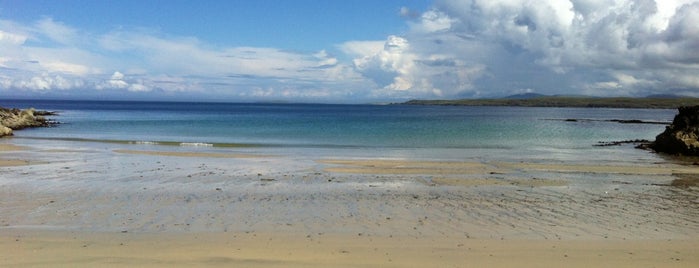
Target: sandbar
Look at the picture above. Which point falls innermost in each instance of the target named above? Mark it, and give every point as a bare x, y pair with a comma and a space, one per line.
382, 166
13, 162
4, 147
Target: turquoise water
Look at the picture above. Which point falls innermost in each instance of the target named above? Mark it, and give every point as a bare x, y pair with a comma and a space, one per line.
449, 131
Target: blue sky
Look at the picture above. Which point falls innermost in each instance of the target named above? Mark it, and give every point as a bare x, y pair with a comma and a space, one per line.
346, 51
298, 25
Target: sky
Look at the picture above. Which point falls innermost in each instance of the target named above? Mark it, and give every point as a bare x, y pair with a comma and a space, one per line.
346, 51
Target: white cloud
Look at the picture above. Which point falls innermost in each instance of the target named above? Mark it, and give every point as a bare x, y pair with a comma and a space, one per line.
405, 70
31, 51
188, 56
115, 81
138, 88
389, 66
119, 81
655, 42
64, 67
157, 63
42, 82
57, 31
117, 76
474, 48
361, 48
433, 21
12, 38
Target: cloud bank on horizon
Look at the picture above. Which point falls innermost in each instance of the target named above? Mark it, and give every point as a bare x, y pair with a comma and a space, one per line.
454, 49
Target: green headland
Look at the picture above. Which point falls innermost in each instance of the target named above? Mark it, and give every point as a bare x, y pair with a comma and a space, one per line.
652, 102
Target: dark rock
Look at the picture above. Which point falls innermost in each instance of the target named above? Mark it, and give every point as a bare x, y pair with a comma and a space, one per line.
682, 136
45, 113
620, 121
636, 121
639, 142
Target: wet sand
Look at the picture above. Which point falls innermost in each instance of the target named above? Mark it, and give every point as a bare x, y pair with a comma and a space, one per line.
141, 206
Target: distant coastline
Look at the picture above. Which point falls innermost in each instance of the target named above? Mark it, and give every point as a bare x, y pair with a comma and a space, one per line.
565, 101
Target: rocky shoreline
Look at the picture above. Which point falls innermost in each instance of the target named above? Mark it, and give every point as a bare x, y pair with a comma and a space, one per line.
16, 119
682, 136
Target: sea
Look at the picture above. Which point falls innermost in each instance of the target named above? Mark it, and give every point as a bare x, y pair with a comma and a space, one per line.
333, 130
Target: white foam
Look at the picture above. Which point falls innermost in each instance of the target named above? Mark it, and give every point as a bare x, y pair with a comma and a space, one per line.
145, 142
197, 144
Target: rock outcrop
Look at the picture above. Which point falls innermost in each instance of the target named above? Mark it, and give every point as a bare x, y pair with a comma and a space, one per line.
682, 136
15, 119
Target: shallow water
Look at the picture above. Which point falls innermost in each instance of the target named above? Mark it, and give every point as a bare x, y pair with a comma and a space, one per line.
391, 130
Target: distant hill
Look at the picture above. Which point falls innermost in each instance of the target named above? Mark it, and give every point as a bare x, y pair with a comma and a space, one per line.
525, 96
538, 100
665, 96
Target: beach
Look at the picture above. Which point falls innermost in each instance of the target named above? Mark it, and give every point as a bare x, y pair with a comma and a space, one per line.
143, 205
37, 249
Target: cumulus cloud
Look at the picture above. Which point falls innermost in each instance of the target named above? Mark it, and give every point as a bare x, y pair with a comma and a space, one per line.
115, 81
42, 82
427, 62
399, 67
388, 65
623, 38
494, 48
361, 48
119, 81
433, 21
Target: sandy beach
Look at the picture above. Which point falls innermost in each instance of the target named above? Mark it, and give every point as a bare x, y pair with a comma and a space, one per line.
119, 205
59, 249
